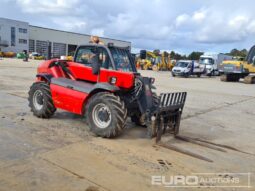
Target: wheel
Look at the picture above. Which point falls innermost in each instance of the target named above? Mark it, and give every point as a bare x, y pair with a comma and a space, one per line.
198, 75
173, 74
40, 100
106, 114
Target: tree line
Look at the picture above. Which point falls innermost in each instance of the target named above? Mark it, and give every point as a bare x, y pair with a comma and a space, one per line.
195, 55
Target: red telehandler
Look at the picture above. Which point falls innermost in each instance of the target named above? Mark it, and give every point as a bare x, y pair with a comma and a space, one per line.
102, 83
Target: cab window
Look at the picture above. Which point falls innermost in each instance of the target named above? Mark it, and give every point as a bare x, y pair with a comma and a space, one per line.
86, 54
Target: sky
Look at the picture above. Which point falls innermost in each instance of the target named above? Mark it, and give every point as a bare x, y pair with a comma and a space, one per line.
180, 25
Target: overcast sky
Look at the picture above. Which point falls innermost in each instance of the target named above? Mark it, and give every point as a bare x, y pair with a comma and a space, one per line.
179, 25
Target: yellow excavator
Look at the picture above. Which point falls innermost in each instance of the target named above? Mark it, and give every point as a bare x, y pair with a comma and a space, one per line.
166, 63
155, 61
149, 61
233, 70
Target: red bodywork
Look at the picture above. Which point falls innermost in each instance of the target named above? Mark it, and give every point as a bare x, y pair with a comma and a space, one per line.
72, 100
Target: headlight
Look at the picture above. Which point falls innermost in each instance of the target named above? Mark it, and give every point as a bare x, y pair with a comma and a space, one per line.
112, 80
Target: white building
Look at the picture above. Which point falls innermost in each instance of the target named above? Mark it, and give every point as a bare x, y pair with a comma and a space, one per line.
14, 35
21, 36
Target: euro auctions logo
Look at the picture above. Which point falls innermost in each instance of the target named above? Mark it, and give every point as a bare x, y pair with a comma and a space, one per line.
216, 180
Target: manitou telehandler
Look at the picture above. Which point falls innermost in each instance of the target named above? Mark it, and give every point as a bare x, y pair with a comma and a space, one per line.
102, 84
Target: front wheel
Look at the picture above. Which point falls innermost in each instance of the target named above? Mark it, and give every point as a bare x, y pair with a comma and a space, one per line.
40, 100
106, 114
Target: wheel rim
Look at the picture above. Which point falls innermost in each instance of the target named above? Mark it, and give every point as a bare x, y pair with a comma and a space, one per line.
38, 100
101, 115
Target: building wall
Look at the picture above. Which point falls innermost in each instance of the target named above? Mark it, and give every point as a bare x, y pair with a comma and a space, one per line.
38, 38
60, 40
15, 33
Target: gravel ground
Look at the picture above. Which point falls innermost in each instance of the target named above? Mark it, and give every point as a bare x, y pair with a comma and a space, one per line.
61, 154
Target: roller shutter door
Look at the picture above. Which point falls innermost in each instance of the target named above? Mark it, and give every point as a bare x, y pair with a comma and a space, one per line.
59, 49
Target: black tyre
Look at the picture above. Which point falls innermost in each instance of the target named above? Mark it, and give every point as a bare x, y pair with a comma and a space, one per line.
40, 100
173, 74
198, 75
106, 114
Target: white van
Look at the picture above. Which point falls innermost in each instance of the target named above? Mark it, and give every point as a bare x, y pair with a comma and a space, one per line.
187, 68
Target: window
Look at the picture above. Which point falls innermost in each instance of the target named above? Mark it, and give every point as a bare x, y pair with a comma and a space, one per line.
13, 36
22, 41
21, 30
86, 55
122, 59
31, 45
208, 61
104, 59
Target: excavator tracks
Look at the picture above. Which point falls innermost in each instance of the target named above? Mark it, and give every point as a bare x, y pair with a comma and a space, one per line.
249, 79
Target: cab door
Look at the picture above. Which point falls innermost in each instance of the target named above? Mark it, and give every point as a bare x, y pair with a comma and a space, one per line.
82, 65
81, 68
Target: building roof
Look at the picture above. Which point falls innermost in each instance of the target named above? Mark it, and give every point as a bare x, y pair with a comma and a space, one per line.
63, 30
14, 20
77, 33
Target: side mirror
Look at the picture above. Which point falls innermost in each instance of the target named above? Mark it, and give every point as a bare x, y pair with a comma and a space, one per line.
95, 64
143, 54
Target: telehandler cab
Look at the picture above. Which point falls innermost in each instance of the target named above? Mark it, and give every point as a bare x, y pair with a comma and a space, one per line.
102, 83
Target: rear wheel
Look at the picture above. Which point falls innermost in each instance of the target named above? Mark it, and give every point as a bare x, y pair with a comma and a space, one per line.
40, 100
106, 114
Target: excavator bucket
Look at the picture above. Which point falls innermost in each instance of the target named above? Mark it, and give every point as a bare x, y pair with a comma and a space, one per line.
167, 115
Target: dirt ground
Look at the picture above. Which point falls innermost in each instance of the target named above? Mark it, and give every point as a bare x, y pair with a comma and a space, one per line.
61, 153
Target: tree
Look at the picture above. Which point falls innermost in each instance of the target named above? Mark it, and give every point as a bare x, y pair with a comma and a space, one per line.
172, 54
241, 53
195, 55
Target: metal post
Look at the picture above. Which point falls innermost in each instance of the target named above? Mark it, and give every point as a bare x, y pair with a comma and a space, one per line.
48, 50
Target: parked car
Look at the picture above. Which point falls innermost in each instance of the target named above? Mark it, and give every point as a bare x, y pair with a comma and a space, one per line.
187, 68
32, 55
